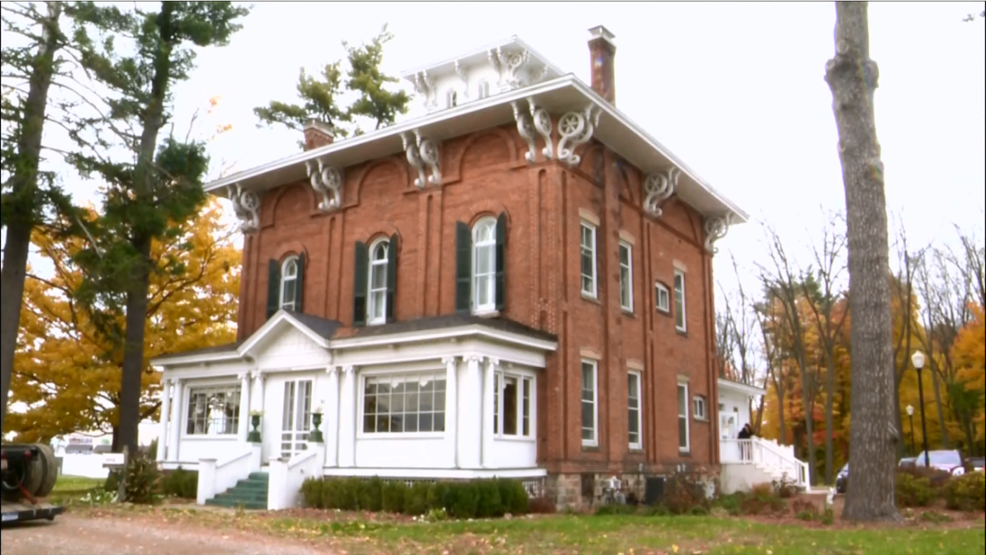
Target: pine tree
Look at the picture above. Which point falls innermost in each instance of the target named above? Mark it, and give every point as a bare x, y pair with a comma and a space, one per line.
320, 97
157, 185
29, 71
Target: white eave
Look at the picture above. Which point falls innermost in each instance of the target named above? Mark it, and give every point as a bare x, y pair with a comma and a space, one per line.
564, 94
741, 388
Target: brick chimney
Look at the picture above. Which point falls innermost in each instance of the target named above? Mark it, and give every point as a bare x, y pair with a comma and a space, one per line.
602, 50
317, 134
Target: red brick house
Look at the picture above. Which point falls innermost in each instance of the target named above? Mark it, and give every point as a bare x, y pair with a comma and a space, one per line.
518, 284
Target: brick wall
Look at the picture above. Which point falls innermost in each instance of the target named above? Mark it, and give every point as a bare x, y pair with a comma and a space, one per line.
486, 174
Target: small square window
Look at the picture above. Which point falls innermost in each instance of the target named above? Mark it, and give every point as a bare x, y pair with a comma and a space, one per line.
662, 298
698, 408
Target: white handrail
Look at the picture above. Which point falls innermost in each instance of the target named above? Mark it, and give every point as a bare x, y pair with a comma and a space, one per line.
299, 458
232, 460
765, 453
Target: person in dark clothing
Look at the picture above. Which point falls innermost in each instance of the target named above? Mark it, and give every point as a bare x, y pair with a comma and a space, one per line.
745, 433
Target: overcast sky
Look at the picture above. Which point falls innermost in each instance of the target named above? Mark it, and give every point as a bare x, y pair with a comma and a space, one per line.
736, 90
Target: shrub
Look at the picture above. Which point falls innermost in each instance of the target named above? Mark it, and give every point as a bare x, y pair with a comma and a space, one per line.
142, 479
935, 518
393, 496
416, 498
785, 489
804, 510
513, 497
936, 478
762, 499
112, 483
311, 492
180, 483
828, 517
730, 503
913, 491
541, 506
966, 492
685, 494
462, 501
370, 494
488, 501
657, 510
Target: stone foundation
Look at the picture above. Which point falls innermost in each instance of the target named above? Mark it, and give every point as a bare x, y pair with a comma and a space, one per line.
585, 492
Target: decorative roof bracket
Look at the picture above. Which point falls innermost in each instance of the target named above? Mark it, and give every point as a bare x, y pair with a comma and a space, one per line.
539, 121
422, 152
424, 84
716, 227
246, 206
461, 72
508, 66
327, 182
576, 128
659, 187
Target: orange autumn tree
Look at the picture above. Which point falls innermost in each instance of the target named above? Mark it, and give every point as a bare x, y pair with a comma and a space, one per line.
969, 356
67, 377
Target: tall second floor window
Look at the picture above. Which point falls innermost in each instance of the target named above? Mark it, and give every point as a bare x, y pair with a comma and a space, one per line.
375, 281
680, 322
377, 286
285, 285
626, 277
289, 283
588, 259
480, 266
484, 266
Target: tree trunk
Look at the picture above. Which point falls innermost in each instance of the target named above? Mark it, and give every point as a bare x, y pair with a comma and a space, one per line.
852, 77
24, 199
829, 404
144, 179
808, 402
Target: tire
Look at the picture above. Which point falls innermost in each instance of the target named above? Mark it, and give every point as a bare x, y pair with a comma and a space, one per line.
46, 469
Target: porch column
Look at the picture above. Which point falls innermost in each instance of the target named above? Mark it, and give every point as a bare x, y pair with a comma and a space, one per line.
258, 404
347, 418
471, 415
176, 408
162, 440
451, 404
488, 399
244, 416
330, 426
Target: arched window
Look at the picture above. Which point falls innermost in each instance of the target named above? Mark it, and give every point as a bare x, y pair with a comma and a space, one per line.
484, 88
453, 98
377, 286
289, 283
484, 266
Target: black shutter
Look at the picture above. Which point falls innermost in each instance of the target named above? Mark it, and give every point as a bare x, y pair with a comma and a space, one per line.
359, 284
463, 267
391, 276
273, 287
501, 260
299, 287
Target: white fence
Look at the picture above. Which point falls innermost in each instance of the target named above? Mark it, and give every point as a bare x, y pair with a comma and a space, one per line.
84, 465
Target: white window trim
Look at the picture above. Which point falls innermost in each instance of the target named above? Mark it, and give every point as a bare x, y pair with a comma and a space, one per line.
187, 401
477, 308
696, 401
520, 377
688, 431
658, 288
594, 442
683, 325
380, 266
282, 304
593, 294
629, 283
361, 394
640, 410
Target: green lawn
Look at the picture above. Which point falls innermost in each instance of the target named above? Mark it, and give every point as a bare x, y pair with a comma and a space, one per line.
66, 484
589, 534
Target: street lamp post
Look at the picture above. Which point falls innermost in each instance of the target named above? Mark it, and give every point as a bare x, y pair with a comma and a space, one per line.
918, 360
910, 416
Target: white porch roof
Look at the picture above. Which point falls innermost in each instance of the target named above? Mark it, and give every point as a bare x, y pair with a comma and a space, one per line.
740, 388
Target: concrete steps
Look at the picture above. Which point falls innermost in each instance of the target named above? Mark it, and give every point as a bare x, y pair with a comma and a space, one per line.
248, 494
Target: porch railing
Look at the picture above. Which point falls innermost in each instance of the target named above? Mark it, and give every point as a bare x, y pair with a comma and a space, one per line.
767, 454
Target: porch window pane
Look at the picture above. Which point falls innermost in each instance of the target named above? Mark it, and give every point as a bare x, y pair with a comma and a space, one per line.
404, 403
213, 410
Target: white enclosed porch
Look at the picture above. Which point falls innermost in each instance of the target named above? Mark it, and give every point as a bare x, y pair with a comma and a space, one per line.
450, 397
748, 462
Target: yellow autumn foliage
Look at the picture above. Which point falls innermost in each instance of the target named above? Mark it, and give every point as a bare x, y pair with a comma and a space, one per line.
67, 377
